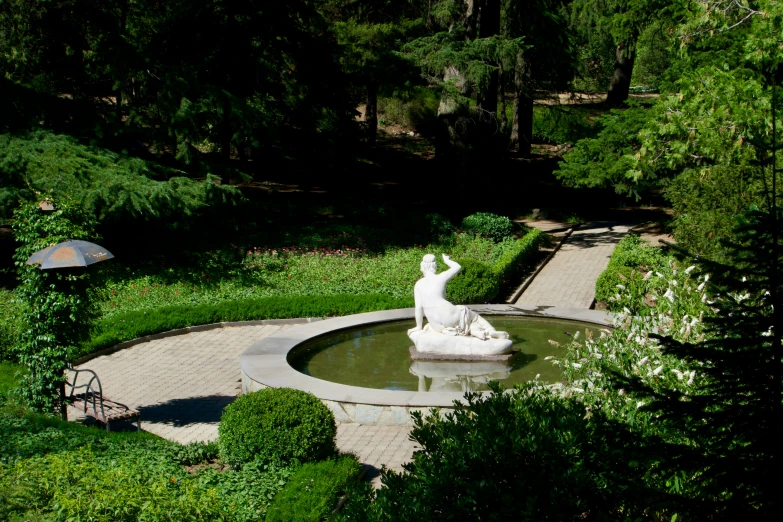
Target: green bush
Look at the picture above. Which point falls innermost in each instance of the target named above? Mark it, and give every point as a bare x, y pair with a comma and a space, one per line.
416, 108
560, 124
489, 225
10, 325
311, 493
525, 455
130, 325
276, 425
517, 255
609, 159
626, 273
475, 283
438, 226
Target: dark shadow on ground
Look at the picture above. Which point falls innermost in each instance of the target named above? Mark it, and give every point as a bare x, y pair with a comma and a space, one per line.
181, 412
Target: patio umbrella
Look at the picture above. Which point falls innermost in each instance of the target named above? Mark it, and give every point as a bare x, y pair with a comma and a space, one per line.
68, 254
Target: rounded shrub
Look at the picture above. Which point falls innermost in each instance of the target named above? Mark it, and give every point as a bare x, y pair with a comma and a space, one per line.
489, 225
276, 426
438, 226
475, 283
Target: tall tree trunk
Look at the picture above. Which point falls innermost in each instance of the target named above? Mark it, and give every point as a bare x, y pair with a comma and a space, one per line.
522, 124
450, 146
471, 21
225, 132
502, 95
371, 111
489, 26
621, 79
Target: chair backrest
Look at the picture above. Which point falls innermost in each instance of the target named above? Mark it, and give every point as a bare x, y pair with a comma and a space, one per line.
91, 384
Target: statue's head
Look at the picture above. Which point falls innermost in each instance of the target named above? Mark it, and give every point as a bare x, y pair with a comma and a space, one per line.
428, 264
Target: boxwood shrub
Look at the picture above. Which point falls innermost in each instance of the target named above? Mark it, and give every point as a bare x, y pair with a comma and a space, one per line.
276, 426
475, 283
490, 225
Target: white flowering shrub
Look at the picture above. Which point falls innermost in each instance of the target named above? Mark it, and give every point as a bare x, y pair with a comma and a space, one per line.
677, 302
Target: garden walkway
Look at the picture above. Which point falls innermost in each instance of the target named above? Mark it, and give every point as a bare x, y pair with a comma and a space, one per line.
568, 279
181, 384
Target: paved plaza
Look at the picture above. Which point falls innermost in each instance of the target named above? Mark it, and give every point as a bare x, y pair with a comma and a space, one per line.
181, 384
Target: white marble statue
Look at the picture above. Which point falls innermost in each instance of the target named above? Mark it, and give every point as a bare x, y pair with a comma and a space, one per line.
451, 329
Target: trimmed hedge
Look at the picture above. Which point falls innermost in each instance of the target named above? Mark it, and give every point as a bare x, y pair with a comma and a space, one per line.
312, 492
513, 261
276, 426
631, 259
130, 325
475, 283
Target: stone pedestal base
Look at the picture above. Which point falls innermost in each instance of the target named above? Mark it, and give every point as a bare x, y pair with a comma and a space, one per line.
416, 355
427, 341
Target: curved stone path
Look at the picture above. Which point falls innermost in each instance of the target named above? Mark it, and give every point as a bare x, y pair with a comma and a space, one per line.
181, 384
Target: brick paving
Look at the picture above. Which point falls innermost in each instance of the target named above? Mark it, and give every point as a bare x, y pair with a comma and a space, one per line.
568, 280
181, 384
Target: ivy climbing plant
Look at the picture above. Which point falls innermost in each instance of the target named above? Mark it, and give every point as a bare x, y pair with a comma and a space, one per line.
56, 308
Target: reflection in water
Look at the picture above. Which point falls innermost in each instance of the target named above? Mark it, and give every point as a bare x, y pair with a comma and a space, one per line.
458, 376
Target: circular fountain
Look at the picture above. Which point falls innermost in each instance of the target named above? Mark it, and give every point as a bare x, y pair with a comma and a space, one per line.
361, 367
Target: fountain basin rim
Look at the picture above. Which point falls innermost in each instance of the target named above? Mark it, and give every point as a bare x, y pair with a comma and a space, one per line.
265, 363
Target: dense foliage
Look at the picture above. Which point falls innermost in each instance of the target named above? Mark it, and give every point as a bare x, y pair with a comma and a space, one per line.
523, 455
55, 306
488, 225
630, 275
702, 140
276, 426
312, 492
103, 183
63, 471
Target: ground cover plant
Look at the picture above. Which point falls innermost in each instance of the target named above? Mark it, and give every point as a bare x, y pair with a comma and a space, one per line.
56, 470
629, 274
314, 489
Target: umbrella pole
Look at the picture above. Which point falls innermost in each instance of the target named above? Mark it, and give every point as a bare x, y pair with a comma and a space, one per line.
63, 405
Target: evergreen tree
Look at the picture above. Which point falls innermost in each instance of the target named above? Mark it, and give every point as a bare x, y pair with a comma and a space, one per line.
623, 21
370, 35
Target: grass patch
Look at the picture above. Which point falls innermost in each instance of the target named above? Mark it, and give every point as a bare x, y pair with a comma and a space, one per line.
312, 492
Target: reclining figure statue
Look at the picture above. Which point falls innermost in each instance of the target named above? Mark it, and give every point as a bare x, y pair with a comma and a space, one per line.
450, 329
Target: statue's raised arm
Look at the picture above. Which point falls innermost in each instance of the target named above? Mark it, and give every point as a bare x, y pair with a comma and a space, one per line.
453, 270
